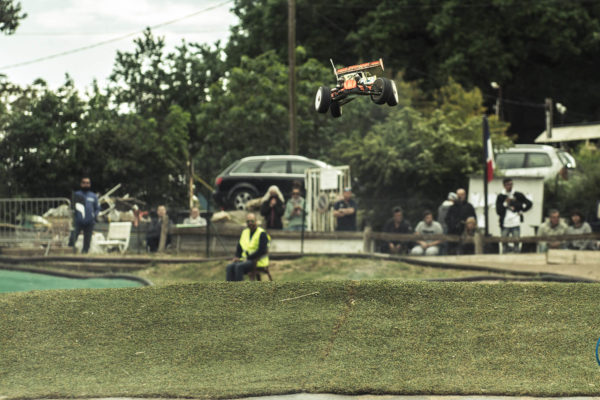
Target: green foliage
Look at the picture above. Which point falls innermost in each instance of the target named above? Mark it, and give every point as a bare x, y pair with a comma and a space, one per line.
416, 156
10, 16
582, 189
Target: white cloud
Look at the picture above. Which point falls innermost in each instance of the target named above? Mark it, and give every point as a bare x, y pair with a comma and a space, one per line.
57, 26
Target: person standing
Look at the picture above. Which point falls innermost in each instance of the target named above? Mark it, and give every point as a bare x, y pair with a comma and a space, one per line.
272, 208
294, 210
443, 209
86, 211
252, 249
345, 212
396, 224
510, 206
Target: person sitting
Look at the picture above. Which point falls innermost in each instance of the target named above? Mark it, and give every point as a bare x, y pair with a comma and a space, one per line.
466, 245
578, 226
252, 250
272, 208
552, 227
295, 212
427, 227
155, 228
194, 218
396, 224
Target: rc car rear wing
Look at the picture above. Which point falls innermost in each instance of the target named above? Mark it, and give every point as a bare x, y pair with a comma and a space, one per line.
360, 67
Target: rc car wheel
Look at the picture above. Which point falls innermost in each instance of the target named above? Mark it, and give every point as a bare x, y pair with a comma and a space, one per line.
241, 197
384, 87
336, 109
393, 98
322, 99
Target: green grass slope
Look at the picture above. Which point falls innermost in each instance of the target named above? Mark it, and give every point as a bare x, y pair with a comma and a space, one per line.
225, 340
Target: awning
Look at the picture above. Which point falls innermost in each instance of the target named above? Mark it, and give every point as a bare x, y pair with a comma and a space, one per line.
571, 133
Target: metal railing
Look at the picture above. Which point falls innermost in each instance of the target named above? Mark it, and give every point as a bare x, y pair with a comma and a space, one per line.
27, 222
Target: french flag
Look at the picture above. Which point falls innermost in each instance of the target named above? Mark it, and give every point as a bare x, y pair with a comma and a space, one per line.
489, 153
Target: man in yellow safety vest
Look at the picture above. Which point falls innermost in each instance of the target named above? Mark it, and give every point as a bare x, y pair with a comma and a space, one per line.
251, 249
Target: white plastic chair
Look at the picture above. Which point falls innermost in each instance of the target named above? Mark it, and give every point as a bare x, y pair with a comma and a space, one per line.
118, 236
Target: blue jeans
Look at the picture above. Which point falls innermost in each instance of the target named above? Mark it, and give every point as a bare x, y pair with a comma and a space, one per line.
236, 270
511, 232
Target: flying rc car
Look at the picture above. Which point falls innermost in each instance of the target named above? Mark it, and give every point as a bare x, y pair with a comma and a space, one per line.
356, 80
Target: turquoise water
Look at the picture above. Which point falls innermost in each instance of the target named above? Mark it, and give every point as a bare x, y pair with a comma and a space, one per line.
20, 281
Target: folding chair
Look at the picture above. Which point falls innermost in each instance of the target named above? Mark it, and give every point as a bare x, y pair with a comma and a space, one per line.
118, 237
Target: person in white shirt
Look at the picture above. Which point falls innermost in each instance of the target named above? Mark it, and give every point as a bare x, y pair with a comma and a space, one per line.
510, 206
194, 218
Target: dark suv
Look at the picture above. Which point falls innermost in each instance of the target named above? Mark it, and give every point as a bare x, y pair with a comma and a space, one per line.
251, 177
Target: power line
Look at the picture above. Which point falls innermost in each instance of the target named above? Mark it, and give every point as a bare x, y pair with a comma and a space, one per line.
104, 42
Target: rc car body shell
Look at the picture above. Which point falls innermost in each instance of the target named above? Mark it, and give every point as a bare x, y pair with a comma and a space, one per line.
356, 80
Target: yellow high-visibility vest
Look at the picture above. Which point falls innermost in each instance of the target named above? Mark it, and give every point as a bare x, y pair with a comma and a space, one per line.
250, 245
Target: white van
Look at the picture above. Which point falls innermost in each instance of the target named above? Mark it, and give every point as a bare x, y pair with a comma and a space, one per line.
533, 160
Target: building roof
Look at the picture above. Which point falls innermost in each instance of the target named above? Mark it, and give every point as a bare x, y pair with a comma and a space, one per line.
571, 133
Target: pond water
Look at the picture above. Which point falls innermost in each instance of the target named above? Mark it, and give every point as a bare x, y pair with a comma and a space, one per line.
21, 281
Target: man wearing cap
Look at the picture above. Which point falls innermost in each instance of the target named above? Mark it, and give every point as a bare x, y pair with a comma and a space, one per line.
251, 249
345, 212
443, 210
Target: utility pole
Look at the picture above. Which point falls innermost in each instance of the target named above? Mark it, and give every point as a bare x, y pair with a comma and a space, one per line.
292, 75
548, 107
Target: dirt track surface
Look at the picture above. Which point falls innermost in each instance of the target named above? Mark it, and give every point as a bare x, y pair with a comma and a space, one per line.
326, 396
579, 264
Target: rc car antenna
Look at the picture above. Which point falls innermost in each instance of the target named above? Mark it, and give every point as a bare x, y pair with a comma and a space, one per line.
334, 70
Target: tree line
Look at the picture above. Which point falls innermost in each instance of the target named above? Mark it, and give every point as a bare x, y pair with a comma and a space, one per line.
210, 104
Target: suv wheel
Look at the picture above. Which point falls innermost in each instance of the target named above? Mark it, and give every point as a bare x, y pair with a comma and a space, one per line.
240, 198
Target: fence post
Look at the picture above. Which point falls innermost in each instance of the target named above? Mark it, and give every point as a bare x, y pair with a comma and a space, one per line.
367, 240
478, 242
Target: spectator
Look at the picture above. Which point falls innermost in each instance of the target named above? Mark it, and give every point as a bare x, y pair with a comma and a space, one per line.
457, 215
510, 206
443, 210
272, 208
396, 224
155, 228
427, 227
578, 226
345, 212
295, 213
552, 227
251, 250
466, 245
194, 218
86, 212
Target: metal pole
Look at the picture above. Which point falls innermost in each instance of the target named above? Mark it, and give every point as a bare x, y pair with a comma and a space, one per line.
292, 75
485, 182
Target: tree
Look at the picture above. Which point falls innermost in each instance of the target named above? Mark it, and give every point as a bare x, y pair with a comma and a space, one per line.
10, 16
420, 152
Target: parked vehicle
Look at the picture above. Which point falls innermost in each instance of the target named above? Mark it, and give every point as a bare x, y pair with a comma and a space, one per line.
251, 177
534, 160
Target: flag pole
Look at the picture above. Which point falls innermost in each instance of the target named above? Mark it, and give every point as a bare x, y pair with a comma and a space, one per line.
486, 130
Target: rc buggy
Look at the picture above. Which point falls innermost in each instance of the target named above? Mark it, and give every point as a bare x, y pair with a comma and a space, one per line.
356, 80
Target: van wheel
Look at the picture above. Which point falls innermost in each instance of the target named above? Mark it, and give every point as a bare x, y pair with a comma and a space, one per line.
241, 197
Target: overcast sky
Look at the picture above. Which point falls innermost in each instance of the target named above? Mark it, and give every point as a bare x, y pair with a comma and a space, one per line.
56, 26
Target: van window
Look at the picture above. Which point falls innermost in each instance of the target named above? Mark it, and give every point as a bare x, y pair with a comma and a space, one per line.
274, 167
246, 167
298, 167
538, 160
510, 160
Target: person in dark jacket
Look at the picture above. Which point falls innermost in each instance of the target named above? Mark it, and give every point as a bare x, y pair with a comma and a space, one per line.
457, 216
272, 208
396, 224
155, 229
510, 206
86, 209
